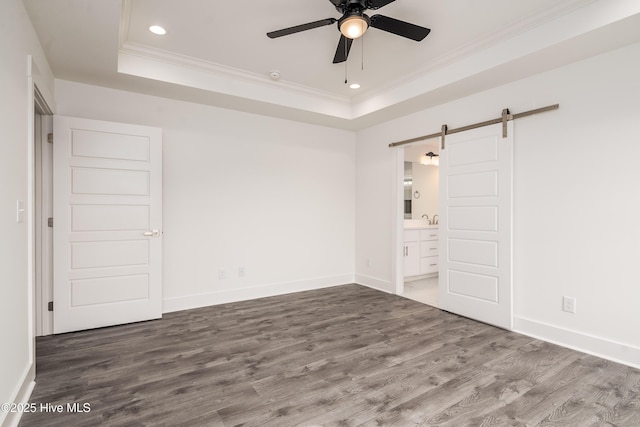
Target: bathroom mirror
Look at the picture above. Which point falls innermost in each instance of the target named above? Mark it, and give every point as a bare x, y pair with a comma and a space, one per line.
420, 190
408, 189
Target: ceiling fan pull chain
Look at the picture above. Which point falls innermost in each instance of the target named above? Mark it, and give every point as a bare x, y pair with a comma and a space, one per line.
345, 72
362, 48
362, 55
345, 65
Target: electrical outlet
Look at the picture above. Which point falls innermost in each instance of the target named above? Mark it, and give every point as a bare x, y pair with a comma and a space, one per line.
222, 274
569, 304
240, 271
368, 261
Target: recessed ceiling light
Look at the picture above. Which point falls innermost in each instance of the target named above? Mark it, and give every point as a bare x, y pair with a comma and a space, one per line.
354, 86
157, 29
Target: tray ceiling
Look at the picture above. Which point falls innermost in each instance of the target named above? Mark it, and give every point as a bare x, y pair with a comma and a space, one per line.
218, 52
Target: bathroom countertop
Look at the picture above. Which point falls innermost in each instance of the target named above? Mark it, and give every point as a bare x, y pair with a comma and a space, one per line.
414, 224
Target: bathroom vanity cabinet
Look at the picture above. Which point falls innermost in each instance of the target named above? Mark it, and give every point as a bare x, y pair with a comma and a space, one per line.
420, 251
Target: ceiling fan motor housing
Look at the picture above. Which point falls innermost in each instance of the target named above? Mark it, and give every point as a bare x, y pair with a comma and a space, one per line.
347, 6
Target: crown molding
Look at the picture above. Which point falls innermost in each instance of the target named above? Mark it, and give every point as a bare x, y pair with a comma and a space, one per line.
164, 56
528, 38
524, 39
489, 40
149, 62
157, 64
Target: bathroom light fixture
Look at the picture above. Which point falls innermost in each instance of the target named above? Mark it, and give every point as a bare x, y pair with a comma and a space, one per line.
157, 29
354, 86
354, 25
431, 159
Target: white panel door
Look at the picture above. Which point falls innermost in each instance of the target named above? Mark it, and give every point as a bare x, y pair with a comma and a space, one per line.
107, 197
476, 225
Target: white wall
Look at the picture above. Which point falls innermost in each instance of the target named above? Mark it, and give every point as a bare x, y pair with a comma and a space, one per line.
273, 196
277, 197
576, 207
17, 41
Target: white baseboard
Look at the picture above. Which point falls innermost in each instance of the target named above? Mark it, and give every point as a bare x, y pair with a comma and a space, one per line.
377, 284
188, 302
596, 346
22, 395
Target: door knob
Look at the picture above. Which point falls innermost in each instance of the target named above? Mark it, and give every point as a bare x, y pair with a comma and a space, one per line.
152, 233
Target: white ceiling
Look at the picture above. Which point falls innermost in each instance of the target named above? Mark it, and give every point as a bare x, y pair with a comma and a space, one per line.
217, 52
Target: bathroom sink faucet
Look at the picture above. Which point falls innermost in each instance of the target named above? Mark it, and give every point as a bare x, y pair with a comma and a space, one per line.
435, 219
427, 216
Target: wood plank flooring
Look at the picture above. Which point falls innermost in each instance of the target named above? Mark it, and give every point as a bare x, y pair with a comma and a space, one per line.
342, 356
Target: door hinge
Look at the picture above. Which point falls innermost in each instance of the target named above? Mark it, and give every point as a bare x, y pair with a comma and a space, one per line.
50, 138
50, 306
50, 222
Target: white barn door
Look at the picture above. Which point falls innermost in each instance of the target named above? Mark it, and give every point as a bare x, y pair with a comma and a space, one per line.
476, 225
107, 253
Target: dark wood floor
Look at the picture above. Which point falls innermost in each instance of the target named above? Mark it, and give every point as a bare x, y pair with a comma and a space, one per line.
341, 356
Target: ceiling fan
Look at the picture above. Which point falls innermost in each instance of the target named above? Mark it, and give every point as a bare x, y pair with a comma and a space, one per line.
354, 22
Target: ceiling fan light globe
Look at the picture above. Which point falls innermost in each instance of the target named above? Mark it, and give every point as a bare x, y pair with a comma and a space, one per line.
353, 27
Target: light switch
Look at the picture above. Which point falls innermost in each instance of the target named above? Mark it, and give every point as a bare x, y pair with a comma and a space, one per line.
19, 211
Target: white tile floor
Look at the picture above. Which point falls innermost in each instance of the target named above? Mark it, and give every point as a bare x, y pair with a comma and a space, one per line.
423, 290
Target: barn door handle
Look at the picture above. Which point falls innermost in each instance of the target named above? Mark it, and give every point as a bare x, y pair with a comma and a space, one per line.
152, 233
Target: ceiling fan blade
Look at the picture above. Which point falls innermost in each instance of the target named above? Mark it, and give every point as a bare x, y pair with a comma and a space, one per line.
337, 3
303, 27
377, 4
399, 28
342, 52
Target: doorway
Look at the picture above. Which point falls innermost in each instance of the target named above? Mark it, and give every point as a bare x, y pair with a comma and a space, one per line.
129, 179
473, 241
420, 222
43, 211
